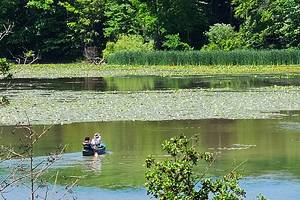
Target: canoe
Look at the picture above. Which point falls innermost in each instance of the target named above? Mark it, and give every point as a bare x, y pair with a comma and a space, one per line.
89, 151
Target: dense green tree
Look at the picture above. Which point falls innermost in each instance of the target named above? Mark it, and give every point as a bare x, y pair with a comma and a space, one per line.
86, 21
128, 17
36, 27
184, 17
39, 26
220, 11
270, 23
60, 30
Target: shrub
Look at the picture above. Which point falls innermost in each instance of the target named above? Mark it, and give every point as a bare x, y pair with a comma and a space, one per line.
223, 37
4, 73
3, 101
172, 42
127, 43
175, 177
4, 68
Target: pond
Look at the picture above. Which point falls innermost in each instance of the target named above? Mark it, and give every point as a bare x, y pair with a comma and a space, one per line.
268, 145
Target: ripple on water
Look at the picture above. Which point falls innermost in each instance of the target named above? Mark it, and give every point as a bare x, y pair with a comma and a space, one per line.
89, 163
272, 186
292, 126
234, 147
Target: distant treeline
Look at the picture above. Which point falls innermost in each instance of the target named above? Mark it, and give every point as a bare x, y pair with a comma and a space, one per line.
61, 30
235, 57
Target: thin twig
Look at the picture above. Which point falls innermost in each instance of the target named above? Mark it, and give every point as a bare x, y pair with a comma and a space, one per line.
68, 188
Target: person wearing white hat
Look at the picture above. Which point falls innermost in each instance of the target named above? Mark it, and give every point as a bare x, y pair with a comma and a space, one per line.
96, 141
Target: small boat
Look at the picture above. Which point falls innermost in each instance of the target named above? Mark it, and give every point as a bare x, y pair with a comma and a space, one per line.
89, 151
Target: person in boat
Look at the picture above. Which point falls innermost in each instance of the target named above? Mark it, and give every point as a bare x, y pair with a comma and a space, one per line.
96, 141
87, 143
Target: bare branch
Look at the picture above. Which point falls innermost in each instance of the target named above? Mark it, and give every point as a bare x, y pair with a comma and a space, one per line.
68, 189
7, 31
51, 160
11, 151
27, 58
31, 171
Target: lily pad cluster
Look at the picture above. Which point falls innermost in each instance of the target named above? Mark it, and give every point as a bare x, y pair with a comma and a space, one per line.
51, 106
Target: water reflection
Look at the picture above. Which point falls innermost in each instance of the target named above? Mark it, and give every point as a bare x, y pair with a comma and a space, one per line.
93, 163
142, 83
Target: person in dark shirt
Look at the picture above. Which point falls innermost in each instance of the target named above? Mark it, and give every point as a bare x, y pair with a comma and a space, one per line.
87, 143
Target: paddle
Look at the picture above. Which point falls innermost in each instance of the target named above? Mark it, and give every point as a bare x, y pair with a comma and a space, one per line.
95, 151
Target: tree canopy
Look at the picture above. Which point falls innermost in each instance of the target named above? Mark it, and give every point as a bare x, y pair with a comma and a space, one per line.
269, 23
60, 30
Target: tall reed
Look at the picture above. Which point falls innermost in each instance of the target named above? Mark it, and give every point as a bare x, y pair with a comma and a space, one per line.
236, 57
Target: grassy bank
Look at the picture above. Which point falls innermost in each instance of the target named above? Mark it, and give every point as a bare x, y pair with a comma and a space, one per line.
236, 57
89, 70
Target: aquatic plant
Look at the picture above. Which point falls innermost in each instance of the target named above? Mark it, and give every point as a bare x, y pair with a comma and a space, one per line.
47, 107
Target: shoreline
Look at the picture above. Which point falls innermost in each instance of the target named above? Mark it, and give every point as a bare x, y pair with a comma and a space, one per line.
90, 70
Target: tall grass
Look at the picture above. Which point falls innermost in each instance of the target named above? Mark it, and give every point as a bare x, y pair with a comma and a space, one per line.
237, 57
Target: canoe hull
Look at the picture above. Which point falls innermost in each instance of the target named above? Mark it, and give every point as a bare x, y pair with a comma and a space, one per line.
91, 152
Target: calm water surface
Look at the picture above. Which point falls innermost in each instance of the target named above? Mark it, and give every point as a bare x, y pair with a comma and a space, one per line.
141, 83
268, 148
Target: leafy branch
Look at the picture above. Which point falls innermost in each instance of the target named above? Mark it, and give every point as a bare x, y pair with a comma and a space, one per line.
175, 178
